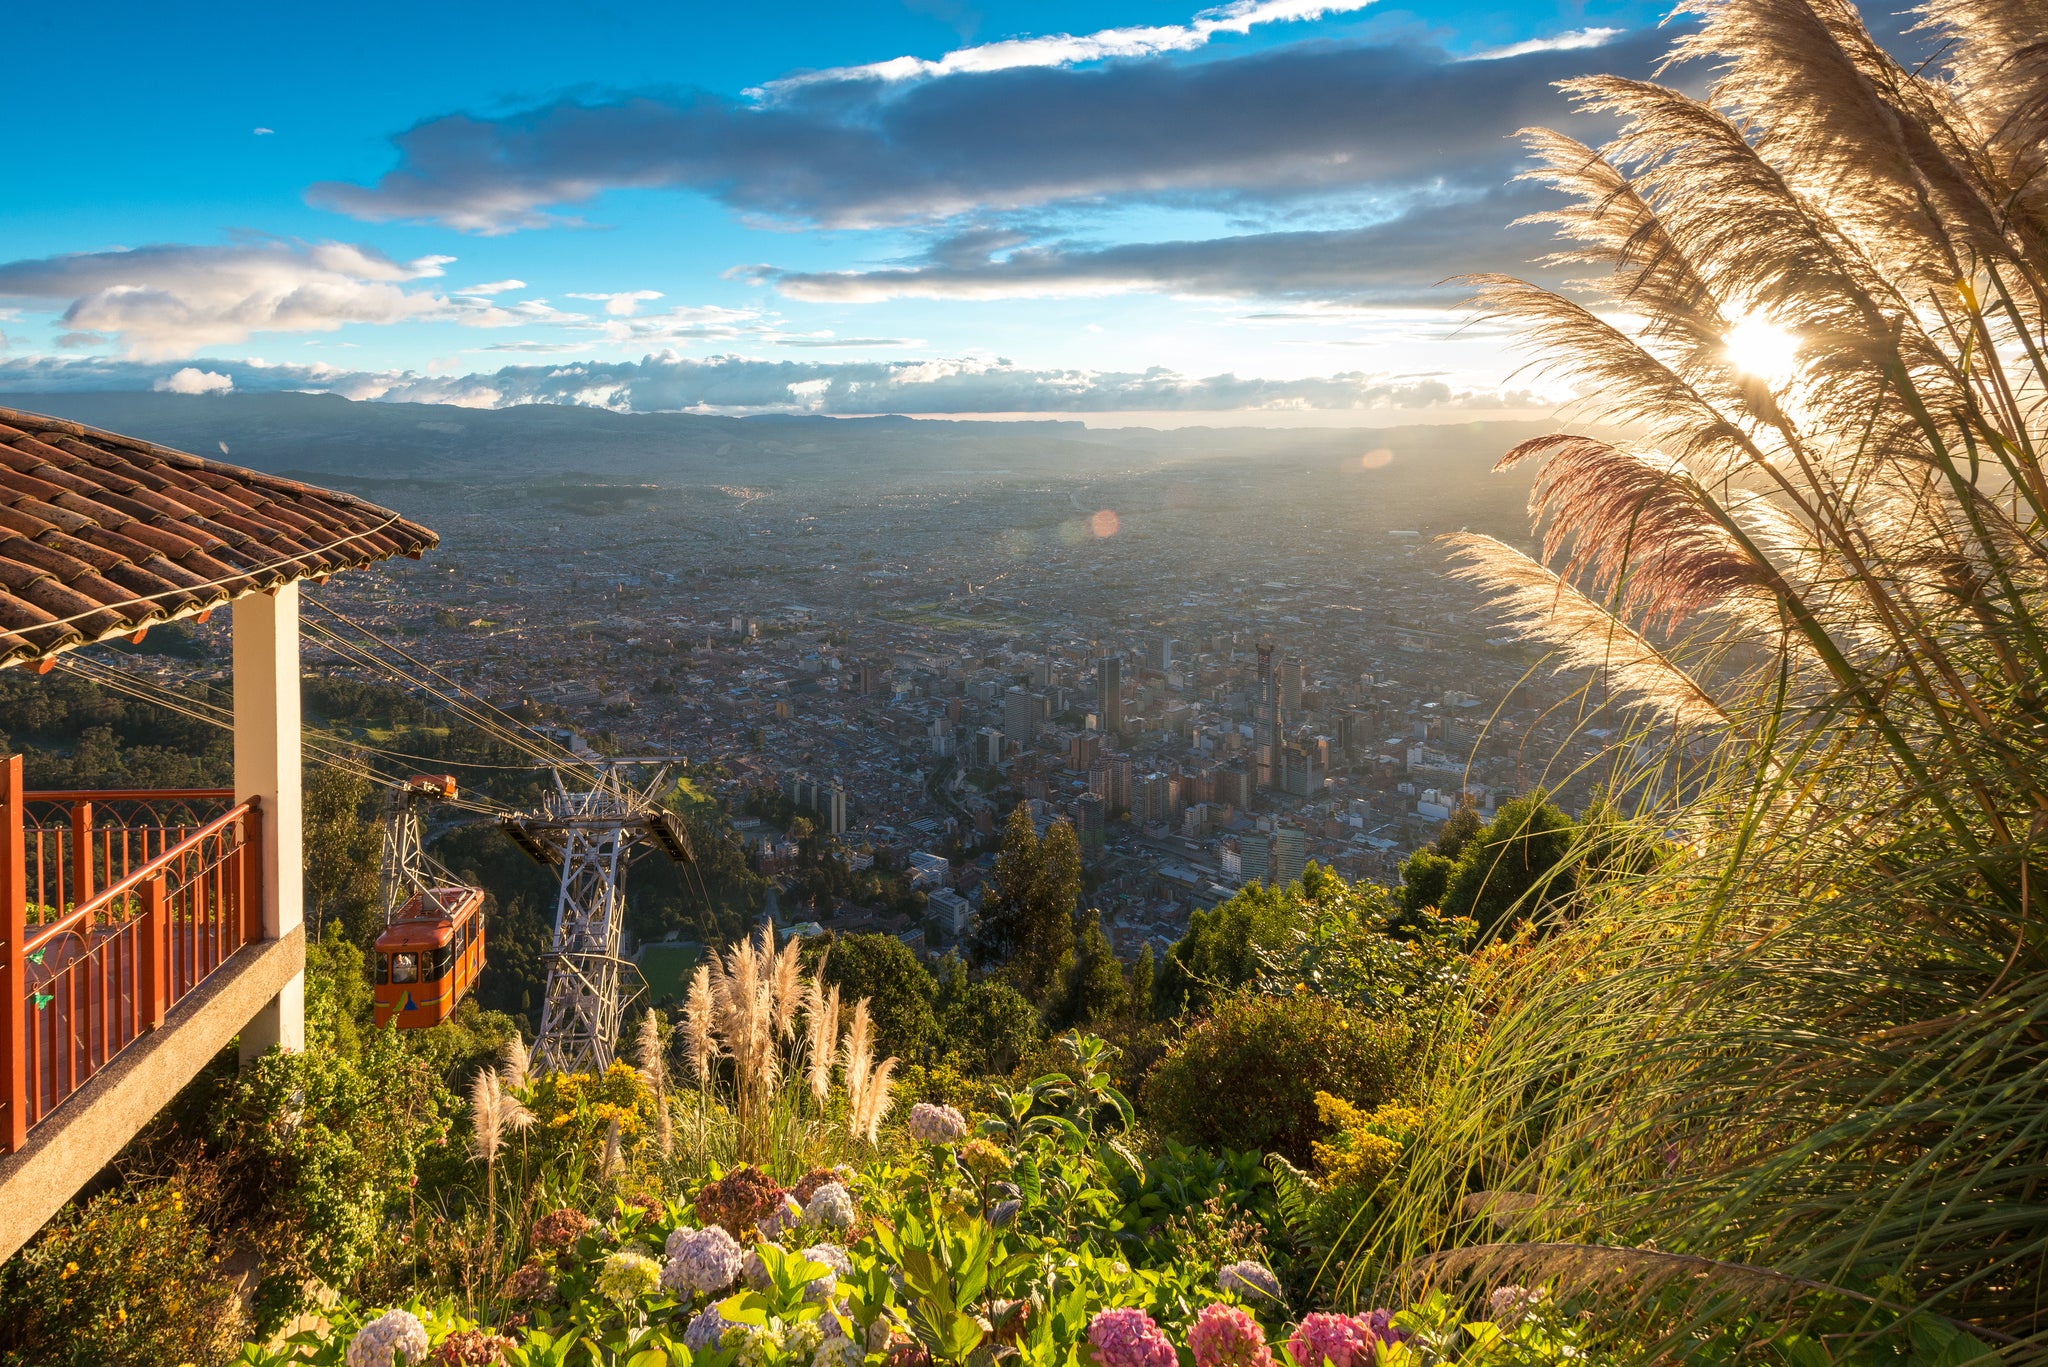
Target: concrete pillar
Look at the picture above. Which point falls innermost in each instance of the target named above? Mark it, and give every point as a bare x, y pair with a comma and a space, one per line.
267, 767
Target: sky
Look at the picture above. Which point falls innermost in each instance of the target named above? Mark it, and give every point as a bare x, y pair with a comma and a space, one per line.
1122, 211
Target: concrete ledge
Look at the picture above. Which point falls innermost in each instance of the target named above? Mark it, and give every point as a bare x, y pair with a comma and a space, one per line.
96, 1122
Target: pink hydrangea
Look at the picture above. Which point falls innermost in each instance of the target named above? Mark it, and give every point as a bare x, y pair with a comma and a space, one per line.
1129, 1338
1225, 1336
1342, 1340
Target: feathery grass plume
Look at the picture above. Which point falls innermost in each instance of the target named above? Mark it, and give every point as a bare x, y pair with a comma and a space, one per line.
857, 1064
788, 987
822, 1016
608, 1165
700, 1025
1802, 1045
517, 1063
487, 1115
875, 1100
647, 1058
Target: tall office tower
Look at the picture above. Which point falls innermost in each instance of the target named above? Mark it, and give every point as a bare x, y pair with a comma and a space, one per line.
1265, 721
1299, 772
1358, 731
988, 747
1021, 711
1159, 654
1253, 855
832, 806
1083, 751
1290, 854
1091, 820
1109, 778
1109, 693
1290, 686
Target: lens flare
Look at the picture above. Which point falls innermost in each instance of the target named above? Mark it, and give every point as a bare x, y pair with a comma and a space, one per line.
1761, 349
1379, 458
1103, 523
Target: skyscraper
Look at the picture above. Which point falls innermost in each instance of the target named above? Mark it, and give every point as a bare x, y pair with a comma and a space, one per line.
1266, 721
1290, 854
1021, 712
1109, 778
1290, 686
1091, 821
1160, 653
1109, 693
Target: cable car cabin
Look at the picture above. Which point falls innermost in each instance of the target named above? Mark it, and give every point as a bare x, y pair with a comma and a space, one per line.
429, 956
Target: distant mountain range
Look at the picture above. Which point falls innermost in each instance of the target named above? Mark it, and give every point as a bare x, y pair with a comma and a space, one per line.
326, 437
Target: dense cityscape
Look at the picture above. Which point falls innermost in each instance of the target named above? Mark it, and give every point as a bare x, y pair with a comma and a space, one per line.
1216, 672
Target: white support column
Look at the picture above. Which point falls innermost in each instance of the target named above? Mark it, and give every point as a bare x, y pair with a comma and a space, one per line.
266, 628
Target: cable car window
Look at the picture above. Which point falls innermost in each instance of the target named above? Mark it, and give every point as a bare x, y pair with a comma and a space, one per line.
404, 968
440, 961
383, 969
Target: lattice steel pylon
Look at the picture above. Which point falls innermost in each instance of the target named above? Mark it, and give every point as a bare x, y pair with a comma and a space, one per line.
592, 836
404, 869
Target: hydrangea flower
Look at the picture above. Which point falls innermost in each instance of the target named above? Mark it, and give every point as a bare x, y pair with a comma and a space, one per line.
627, 1276
936, 1124
984, 1159
395, 1338
786, 1215
560, 1228
472, 1348
1507, 1304
1225, 1336
838, 1352
1341, 1340
706, 1329
738, 1199
531, 1282
1129, 1338
831, 1206
753, 1271
801, 1339
701, 1260
755, 1344
1249, 1279
834, 1257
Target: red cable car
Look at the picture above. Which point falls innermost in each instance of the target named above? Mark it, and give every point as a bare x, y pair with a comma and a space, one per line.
428, 956
432, 947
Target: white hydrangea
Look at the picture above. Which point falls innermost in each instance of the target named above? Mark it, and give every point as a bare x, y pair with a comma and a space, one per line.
701, 1260
801, 1339
395, 1338
831, 1207
838, 1352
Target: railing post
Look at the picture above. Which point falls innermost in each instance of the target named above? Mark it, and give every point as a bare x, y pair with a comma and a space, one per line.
149, 983
251, 891
13, 962
81, 860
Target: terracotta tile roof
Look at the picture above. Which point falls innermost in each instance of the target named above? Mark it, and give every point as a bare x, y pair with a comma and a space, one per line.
103, 535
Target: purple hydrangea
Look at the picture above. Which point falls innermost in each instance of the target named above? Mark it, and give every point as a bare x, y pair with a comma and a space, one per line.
701, 1260
936, 1124
1250, 1280
705, 1330
1129, 1338
831, 1206
395, 1338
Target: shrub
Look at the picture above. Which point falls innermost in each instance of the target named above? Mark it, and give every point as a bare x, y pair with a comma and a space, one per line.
130, 1276
1247, 1077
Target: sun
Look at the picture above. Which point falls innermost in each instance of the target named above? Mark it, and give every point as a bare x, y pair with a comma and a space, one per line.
1759, 348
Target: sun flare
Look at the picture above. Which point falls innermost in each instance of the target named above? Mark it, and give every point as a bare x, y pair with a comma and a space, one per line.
1761, 349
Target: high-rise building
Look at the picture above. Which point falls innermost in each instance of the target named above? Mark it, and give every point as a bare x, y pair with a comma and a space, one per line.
1300, 775
1290, 854
988, 747
1083, 750
1159, 653
952, 914
1253, 850
1021, 713
1091, 820
1265, 721
1290, 687
1109, 693
832, 807
1109, 778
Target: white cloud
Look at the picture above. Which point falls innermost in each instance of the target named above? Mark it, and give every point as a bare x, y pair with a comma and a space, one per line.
192, 380
1068, 49
623, 304
494, 287
1573, 41
264, 132
171, 299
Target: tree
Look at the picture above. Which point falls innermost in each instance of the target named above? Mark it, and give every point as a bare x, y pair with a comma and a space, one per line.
985, 1024
1027, 911
341, 853
1514, 866
1091, 988
882, 968
1424, 876
1142, 973
1222, 948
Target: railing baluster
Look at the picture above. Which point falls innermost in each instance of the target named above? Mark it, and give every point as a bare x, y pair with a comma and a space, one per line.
14, 1004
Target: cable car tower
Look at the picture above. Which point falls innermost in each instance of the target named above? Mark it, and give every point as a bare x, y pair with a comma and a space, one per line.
592, 836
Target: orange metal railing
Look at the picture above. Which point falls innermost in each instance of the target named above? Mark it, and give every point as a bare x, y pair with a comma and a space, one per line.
116, 905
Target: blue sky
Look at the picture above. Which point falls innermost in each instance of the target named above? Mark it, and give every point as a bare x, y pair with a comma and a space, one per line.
1124, 211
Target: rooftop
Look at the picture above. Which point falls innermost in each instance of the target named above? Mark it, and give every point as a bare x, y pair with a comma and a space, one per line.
103, 535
